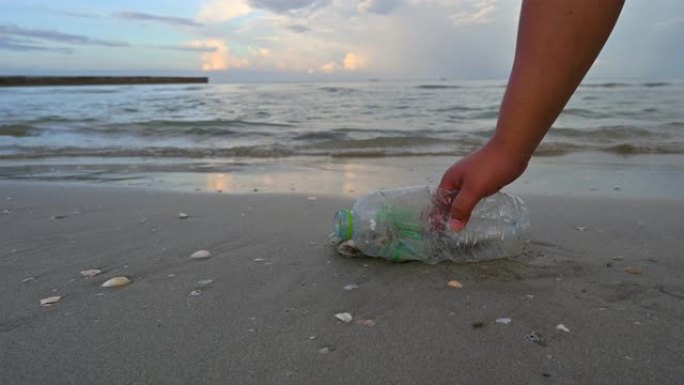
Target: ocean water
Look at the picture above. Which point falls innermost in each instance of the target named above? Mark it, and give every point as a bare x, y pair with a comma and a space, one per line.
57, 131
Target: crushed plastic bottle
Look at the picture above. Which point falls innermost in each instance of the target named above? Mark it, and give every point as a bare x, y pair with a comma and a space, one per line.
412, 223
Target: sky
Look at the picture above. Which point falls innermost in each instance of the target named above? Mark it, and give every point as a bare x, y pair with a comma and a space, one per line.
246, 40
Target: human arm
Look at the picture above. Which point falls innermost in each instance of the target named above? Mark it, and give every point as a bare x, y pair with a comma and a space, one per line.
557, 43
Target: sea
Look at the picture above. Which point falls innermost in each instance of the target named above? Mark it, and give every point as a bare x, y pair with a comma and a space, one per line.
133, 134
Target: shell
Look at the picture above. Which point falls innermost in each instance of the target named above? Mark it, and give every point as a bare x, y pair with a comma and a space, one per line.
505, 321
117, 282
50, 300
90, 272
563, 328
455, 284
632, 270
344, 317
351, 286
205, 282
182, 215
195, 293
200, 254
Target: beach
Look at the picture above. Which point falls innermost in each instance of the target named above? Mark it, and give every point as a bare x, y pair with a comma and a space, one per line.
597, 297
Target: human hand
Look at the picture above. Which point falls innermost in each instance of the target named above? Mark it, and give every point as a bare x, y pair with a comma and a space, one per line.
479, 175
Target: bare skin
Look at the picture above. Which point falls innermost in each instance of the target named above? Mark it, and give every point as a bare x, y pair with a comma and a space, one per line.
558, 41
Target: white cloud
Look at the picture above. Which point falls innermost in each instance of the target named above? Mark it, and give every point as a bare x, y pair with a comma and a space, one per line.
353, 62
212, 11
220, 58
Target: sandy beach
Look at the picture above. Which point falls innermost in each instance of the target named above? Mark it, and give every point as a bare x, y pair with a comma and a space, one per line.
597, 298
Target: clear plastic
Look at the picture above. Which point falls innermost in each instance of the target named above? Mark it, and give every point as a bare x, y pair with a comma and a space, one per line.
412, 223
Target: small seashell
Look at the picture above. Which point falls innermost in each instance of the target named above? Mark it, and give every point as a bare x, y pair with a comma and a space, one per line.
29, 279
351, 286
563, 328
580, 228
49, 300
200, 254
311, 338
90, 272
311, 198
324, 350
117, 282
344, 317
205, 282
258, 259
348, 248
505, 321
182, 215
455, 284
632, 270
195, 293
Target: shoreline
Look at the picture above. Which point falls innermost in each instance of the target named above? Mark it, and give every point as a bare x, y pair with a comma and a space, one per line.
31, 81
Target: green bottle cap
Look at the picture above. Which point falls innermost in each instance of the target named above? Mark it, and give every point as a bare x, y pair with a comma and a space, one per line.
344, 224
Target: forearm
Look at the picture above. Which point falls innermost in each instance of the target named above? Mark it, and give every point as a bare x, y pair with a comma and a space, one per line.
558, 41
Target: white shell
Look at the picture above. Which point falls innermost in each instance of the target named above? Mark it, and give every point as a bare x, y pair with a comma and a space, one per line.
351, 286
505, 321
563, 328
195, 293
117, 282
205, 282
311, 198
182, 215
455, 284
90, 272
344, 317
200, 254
49, 300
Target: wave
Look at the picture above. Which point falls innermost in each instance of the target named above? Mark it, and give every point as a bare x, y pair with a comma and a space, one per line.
18, 130
437, 86
192, 128
646, 148
605, 132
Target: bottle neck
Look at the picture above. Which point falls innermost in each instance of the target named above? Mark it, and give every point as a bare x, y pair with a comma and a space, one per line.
344, 224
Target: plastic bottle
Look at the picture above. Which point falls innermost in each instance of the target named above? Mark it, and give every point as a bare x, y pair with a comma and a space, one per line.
412, 223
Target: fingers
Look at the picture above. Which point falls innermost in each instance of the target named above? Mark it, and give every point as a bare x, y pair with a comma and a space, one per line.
461, 208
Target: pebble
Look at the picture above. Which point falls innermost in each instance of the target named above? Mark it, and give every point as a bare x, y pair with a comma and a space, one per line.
536, 338
455, 284
324, 350
344, 317
117, 282
632, 270
182, 215
563, 328
50, 300
505, 321
580, 228
195, 293
90, 272
311, 338
366, 322
200, 254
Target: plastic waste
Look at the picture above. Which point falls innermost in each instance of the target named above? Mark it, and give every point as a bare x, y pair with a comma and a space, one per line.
412, 223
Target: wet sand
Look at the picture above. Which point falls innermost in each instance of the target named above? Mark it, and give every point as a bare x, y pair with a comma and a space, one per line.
269, 315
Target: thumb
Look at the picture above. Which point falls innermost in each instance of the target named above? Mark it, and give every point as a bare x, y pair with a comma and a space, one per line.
461, 207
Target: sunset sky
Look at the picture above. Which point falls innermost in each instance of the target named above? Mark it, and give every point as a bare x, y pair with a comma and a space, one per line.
309, 39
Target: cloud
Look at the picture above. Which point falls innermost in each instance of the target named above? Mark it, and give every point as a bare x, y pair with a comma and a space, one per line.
382, 7
282, 6
298, 28
478, 13
59, 37
186, 48
25, 45
171, 20
213, 11
220, 58
353, 62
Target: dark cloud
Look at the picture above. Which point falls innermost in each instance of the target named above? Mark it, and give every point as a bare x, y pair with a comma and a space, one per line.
282, 6
382, 7
25, 45
172, 20
185, 48
55, 36
298, 28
